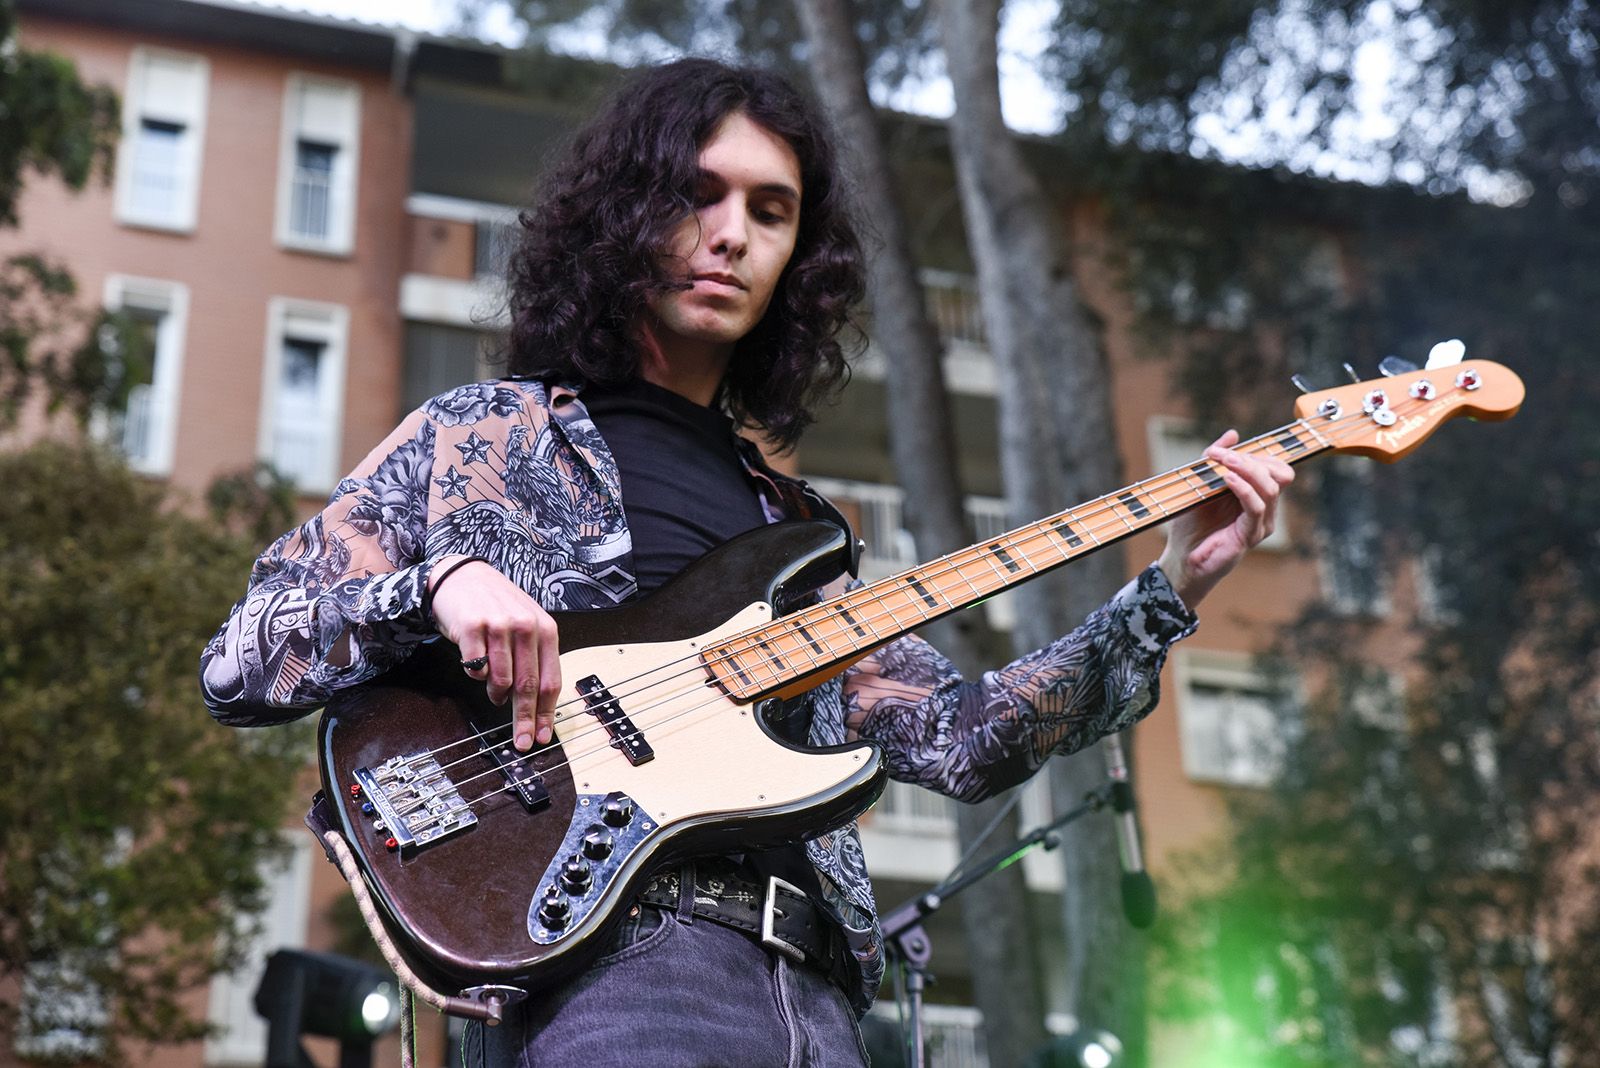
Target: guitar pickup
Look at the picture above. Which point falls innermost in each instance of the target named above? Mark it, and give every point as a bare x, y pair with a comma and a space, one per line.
521, 777
517, 769
603, 706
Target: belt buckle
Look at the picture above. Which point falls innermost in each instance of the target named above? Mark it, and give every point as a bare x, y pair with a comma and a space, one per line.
769, 910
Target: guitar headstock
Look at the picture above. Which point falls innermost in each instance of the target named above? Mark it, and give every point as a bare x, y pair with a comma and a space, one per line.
1385, 418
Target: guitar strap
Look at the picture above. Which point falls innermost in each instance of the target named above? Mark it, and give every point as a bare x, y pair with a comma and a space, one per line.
797, 500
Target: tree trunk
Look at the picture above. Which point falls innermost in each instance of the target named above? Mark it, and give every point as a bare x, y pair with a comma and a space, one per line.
1000, 944
1057, 449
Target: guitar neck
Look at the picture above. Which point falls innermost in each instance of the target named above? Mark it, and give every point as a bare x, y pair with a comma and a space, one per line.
811, 644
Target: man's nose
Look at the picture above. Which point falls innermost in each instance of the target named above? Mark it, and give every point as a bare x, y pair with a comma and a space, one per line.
726, 231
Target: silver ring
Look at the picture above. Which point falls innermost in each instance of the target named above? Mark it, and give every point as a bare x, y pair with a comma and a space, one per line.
477, 663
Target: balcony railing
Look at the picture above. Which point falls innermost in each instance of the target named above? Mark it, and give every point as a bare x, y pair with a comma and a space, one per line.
952, 303
890, 547
311, 203
911, 809
300, 453
138, 420
494, 241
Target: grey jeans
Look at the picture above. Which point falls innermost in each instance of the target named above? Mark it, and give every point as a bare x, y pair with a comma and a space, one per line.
678, 991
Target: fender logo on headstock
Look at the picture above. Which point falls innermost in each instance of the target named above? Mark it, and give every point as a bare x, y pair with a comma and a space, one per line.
1393, 436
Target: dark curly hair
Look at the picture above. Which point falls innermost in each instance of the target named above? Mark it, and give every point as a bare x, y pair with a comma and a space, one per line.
594, 242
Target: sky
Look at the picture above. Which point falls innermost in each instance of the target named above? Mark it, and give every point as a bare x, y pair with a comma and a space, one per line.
1027, 101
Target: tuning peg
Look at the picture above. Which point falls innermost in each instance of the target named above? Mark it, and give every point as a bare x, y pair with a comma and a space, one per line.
1390, 366
1299, 382
1351, 371
1446, 354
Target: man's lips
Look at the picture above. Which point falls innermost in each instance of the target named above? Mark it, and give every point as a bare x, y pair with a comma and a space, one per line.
720, 279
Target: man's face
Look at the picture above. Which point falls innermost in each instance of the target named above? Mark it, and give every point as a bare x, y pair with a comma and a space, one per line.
737, 243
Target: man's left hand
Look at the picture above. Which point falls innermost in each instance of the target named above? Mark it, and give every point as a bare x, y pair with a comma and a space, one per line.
1205, 544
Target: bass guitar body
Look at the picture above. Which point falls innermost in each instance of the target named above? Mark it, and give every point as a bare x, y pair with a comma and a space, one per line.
494, 867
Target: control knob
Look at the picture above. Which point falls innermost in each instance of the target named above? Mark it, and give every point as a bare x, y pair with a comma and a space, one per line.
555, 910
598, 843
576, 877
617, 810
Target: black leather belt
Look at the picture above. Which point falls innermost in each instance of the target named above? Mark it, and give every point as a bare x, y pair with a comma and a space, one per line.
780, 916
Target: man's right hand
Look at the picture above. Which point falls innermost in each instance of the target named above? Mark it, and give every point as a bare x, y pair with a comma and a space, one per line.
486, 614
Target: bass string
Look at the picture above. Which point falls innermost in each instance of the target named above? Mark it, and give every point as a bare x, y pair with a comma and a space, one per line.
939, 567
1261, 443
1264, 443
1092, 509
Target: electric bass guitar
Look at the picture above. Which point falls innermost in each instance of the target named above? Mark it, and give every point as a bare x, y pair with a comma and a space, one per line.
495, 869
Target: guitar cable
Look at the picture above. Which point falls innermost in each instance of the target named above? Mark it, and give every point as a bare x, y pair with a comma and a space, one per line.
411, 985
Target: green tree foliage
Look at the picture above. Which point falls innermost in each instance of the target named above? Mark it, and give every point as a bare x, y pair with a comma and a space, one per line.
53, 125
134, 827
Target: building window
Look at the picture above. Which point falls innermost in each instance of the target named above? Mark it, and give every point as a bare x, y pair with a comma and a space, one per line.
164, 112
951, 301
1375, 696
309, 215
440, 358
62, 1013
303, 392
317, 184
144, 431
1175, 443
1232, 727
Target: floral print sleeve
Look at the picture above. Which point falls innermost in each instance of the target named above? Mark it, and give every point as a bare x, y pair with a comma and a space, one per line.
339, 600
973, 739
334, 601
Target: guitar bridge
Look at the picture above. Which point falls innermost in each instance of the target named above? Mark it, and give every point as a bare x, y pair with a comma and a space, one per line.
414, 801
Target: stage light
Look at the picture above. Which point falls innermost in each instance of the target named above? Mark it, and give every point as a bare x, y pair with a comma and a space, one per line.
1081, 1049
324, 994
1095, 1055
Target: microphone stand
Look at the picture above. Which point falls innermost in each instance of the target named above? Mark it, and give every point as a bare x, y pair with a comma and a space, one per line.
903, 936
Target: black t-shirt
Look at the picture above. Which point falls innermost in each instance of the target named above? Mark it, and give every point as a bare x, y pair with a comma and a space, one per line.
684, 488
685, 491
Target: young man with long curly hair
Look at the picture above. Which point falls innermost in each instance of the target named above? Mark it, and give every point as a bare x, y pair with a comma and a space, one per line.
684, 275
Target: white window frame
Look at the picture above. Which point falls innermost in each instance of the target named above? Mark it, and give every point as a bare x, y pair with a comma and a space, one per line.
240, 1034
1175, 442
346, 166
191, 113
316, 321
157, 405
1231, 671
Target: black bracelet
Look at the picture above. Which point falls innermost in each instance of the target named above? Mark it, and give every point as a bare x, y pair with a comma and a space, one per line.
434, 583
